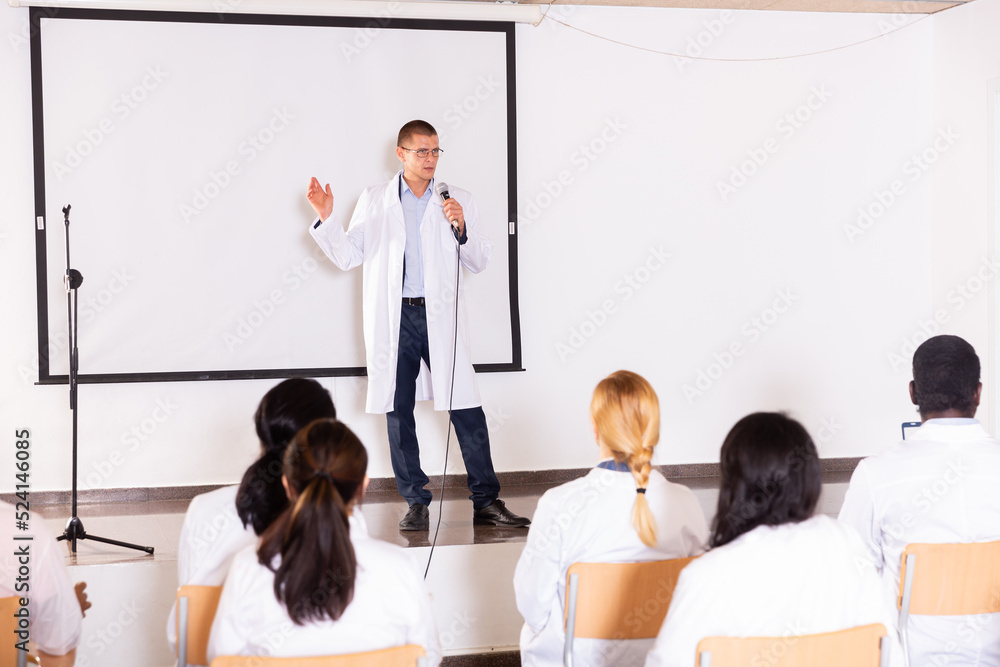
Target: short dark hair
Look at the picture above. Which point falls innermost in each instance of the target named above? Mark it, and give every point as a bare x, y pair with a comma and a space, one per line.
945, 375
421, 127
286, 408
770, 476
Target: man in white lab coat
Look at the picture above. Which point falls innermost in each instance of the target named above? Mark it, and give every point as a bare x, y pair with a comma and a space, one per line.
939, 486
408, 238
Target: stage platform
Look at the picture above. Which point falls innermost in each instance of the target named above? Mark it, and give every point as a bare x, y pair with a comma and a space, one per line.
470, 575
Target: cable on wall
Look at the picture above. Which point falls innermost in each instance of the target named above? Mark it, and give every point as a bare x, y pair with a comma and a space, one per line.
726, 60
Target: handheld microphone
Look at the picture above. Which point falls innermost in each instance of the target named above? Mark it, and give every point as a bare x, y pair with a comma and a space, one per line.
442, 189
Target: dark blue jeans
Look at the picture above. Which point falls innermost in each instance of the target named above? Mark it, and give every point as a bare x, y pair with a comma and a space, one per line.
470, 423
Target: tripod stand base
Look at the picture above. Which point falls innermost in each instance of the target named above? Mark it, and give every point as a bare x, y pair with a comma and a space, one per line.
75, 531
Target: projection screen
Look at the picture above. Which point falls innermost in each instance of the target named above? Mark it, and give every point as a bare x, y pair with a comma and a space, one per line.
184, 144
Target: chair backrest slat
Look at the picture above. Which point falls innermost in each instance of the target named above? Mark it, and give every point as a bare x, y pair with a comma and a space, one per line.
623, 600
202, 602
9, 653
397, 656
953, 579
858, 647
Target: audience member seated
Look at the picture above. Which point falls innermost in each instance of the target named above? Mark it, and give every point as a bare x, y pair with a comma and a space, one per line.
774, 569
621, 511
55, 605
221, 523
942, 485
317, 584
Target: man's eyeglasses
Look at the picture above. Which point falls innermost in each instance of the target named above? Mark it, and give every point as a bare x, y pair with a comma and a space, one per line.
423, 152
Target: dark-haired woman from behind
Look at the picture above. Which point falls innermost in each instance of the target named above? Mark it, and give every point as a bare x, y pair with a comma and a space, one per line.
775, 569
317, 584
221, 523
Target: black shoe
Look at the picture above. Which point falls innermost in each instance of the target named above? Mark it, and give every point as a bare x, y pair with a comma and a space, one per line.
497, 514
417, 518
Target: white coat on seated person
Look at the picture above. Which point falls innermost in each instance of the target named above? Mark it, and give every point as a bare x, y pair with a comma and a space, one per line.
211, 536
942, 485
55, 615
390, 607
589, 520
775, 581
376, 237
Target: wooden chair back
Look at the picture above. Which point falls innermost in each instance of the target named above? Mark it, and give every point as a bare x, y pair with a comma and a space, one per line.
947, 580
859, 647
950, 579
618, 600
410, 655
196, 606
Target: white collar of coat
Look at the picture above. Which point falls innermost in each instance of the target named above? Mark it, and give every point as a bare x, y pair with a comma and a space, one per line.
941, 430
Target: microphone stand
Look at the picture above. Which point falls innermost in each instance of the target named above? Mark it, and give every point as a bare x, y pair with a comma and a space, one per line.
74, 527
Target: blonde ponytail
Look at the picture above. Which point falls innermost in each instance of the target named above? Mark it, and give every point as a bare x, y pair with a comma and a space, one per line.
626, 414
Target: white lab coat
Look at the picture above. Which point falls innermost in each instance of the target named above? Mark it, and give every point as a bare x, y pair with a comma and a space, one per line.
590, 520
211, 536
390, 607
376, 237
941, 485
55, 616
774, 581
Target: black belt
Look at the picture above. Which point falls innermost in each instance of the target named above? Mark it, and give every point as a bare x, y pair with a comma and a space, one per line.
413, 300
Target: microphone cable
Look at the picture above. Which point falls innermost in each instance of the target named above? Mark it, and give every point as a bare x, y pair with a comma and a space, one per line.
451, 399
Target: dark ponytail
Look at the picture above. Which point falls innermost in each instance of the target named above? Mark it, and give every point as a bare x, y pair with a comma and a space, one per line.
285, 409
325, 466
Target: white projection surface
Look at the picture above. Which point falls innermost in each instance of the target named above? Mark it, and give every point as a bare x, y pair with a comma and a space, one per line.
185, 150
